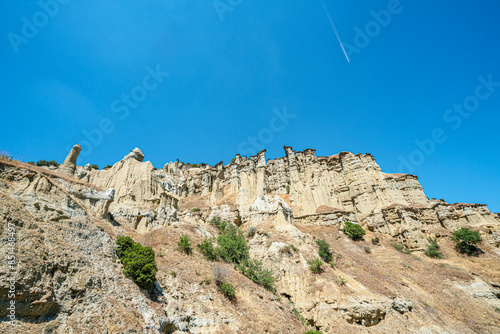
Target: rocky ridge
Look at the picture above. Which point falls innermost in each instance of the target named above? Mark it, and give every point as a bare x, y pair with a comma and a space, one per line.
67, 220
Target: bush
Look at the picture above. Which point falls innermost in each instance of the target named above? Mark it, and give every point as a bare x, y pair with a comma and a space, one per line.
185, 244
315, 265
433, 249
217, 222
466, 240
233, 248
228, 290
232, 245
375, 241
253, 270
208, 250
289, 250
354, 231
107, 167
287, 189
313, 332
195, 210
94, 166
400, 248
138, 261
324, 250
194, 165
47, 163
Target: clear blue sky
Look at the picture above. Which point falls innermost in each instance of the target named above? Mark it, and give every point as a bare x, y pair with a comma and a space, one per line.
74, 71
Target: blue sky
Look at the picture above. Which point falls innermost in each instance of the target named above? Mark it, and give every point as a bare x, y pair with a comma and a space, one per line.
204, 80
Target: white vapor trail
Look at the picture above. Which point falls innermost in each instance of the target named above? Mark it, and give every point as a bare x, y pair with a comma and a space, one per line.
334, 29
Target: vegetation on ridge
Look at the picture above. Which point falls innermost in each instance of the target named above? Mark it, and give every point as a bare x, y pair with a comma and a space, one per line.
138, 261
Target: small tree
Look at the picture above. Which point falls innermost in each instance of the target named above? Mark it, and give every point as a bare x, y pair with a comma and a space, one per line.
324, 250
138, 261
232, 245
354, 231
185, 244
466, 240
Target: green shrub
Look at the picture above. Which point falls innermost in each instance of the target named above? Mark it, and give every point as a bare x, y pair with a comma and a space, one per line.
93, 166
342, 281
400, 248
228, 290
466, 240
232, 245
315, 265
233, 160
289, 250
47, 163
138, 261
433, 249
107, 167
208, 250
253, 270
287, 189
313, 332
324, 250
217, 222
194, 165
375, 241
185, 244
195, 210
353, 231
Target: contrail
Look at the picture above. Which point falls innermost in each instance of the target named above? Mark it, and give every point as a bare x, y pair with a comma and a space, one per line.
334, 29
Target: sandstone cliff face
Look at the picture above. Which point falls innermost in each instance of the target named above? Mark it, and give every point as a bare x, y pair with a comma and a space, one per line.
67, 222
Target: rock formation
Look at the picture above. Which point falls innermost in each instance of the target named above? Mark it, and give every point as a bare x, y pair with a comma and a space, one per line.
68, 166
69, 278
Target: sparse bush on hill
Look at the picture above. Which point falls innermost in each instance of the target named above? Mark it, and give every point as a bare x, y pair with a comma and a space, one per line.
208, 250
433, 249
375, 241
184, 244
353, 231
94, 166
232, 245
253, 270
315, 265
5, 155
138, 261
220, 224
466, 240
289, 250
228, 290
324, 250
195, 210
400, 248
41, 163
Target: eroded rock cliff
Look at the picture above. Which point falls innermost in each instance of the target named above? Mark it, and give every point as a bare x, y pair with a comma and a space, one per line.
69, 279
